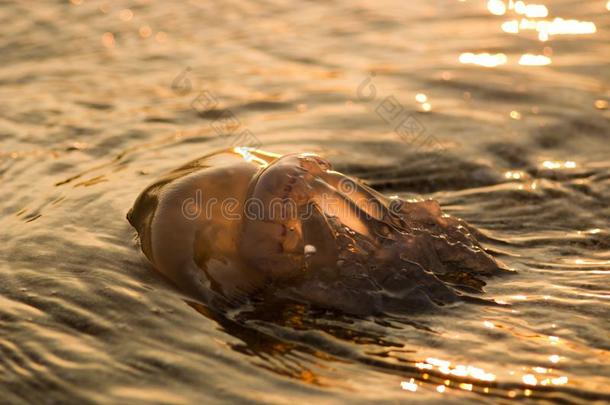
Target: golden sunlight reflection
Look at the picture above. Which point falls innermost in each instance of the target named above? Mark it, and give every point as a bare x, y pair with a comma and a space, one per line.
555, 381
529, 59
548, 164
458, 370
496, 7
548, 28
529, 379
409, 385
499, 7
531, 10
252, 155
465, 386
470, 378
483, 59
514, 175
516, 115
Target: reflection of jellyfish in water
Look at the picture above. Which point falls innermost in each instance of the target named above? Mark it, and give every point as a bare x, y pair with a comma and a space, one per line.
244, 222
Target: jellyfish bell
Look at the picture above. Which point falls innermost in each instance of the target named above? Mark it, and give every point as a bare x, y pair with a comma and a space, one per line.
239, 221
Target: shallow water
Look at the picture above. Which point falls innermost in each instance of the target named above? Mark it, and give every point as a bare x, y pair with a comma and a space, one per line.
98, 102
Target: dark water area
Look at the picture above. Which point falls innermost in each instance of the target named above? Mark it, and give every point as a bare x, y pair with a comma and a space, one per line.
496, 110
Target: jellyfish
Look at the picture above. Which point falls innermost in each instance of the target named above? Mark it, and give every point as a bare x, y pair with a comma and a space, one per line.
243, 222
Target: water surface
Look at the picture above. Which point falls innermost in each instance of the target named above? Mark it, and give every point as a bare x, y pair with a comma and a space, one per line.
100, 98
